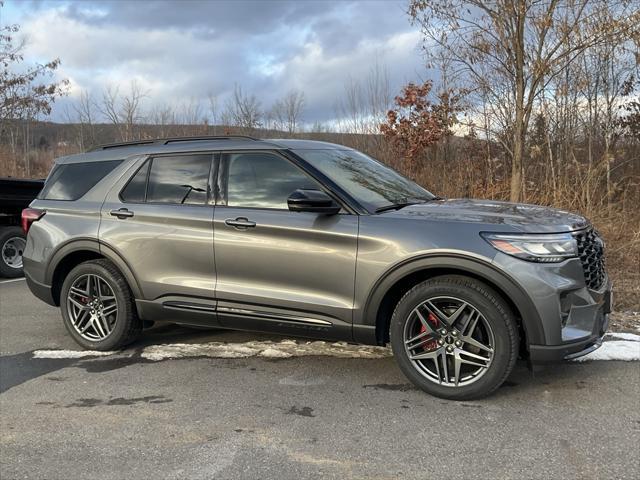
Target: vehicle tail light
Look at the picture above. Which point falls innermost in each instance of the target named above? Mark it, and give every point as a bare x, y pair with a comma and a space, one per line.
30, 215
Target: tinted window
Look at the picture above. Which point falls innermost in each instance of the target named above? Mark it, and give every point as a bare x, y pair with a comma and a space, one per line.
135, 189
373, 184
179, 179
72, 180
263, 180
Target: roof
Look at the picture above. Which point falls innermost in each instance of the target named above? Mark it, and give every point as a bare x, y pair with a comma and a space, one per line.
119, 151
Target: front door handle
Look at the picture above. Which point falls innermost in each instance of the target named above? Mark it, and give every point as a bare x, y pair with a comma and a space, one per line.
240, 222
121, 213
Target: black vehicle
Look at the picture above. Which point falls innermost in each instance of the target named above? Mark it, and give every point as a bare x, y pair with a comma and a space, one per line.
15, 194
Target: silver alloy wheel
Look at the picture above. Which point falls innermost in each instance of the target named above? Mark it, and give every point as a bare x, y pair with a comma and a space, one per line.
12, 251
449, 341
92, 307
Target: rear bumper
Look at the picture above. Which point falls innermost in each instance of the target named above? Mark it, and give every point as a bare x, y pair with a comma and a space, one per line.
43, 292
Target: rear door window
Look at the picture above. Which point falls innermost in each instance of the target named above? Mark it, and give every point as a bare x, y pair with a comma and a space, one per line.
70, 181
180, 179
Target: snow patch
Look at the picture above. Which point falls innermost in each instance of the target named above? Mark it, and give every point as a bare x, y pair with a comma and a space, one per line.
274, 353
267, 349
185, 350
622, 350
625, 336
617, 346
69, 353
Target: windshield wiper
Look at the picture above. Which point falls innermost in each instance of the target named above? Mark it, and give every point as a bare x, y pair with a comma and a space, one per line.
406, 203
394, 206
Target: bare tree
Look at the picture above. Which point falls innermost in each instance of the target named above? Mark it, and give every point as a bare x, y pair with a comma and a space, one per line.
243, 110
192, 119
351, 110
163, 117
287, 111
520, 45
213, 112
377, 93
85, 113
365, 104
123, 111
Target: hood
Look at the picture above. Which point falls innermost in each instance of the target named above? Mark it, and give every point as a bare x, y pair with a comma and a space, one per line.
519, 216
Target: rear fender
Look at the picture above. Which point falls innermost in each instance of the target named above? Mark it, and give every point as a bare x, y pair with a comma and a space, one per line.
91, 245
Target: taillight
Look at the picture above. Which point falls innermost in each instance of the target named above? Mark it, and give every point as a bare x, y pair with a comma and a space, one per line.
30, 215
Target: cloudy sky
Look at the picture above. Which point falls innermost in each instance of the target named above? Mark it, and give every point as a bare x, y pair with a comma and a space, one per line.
183, 50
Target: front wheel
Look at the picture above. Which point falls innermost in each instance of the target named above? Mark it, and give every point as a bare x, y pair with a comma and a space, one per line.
454, 337
97, 306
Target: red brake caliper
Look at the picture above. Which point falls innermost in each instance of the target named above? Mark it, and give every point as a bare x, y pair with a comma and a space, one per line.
435, 323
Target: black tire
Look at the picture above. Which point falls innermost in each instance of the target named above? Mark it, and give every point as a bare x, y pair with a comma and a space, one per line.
492, 307
127, 327
6, 234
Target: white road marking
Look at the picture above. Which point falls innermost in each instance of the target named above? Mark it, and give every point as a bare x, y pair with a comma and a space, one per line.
11, 280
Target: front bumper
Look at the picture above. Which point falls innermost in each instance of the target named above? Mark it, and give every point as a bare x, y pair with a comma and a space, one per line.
573, 317
583, 328
540, 354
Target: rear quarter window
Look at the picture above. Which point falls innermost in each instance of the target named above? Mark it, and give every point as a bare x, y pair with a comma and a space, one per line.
71, 181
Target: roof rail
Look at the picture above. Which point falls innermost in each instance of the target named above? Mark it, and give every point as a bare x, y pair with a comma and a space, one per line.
167, 141
107, 146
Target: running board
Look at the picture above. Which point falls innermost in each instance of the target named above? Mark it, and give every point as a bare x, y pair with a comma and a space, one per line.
243, 312
190, 306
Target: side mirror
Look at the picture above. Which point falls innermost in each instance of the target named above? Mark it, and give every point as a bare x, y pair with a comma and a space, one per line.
315, 201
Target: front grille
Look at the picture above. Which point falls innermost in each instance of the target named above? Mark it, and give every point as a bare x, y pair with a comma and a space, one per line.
591, 252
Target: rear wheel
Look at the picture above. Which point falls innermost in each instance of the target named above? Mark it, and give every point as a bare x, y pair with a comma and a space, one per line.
98, 309
454, 337
12, 244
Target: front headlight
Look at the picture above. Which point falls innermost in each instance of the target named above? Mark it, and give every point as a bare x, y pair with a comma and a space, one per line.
542, 247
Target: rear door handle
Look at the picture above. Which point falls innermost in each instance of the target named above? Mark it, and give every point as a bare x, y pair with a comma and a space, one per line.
240, 222
121, 213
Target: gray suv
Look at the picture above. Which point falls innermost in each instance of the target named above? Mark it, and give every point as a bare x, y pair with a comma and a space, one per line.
316, 240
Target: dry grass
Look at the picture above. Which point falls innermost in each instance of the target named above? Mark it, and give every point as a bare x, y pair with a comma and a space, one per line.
463, 170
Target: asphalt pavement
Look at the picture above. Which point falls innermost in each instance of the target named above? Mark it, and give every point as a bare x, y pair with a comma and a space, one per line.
306, 417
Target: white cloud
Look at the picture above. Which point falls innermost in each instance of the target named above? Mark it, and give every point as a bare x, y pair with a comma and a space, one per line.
181, 57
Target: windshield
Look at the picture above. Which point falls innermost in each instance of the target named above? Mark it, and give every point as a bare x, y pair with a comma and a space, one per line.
370, 182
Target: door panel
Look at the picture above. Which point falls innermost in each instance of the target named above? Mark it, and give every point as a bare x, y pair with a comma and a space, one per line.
168, 246
300, 264
279, 270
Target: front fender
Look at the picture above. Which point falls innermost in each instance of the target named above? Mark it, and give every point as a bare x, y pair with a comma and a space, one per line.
450, 263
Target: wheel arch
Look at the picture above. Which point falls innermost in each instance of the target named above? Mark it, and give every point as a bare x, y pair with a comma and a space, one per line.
75, 252
392, 286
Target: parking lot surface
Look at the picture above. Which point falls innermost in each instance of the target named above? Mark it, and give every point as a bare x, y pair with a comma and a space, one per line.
125, 416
